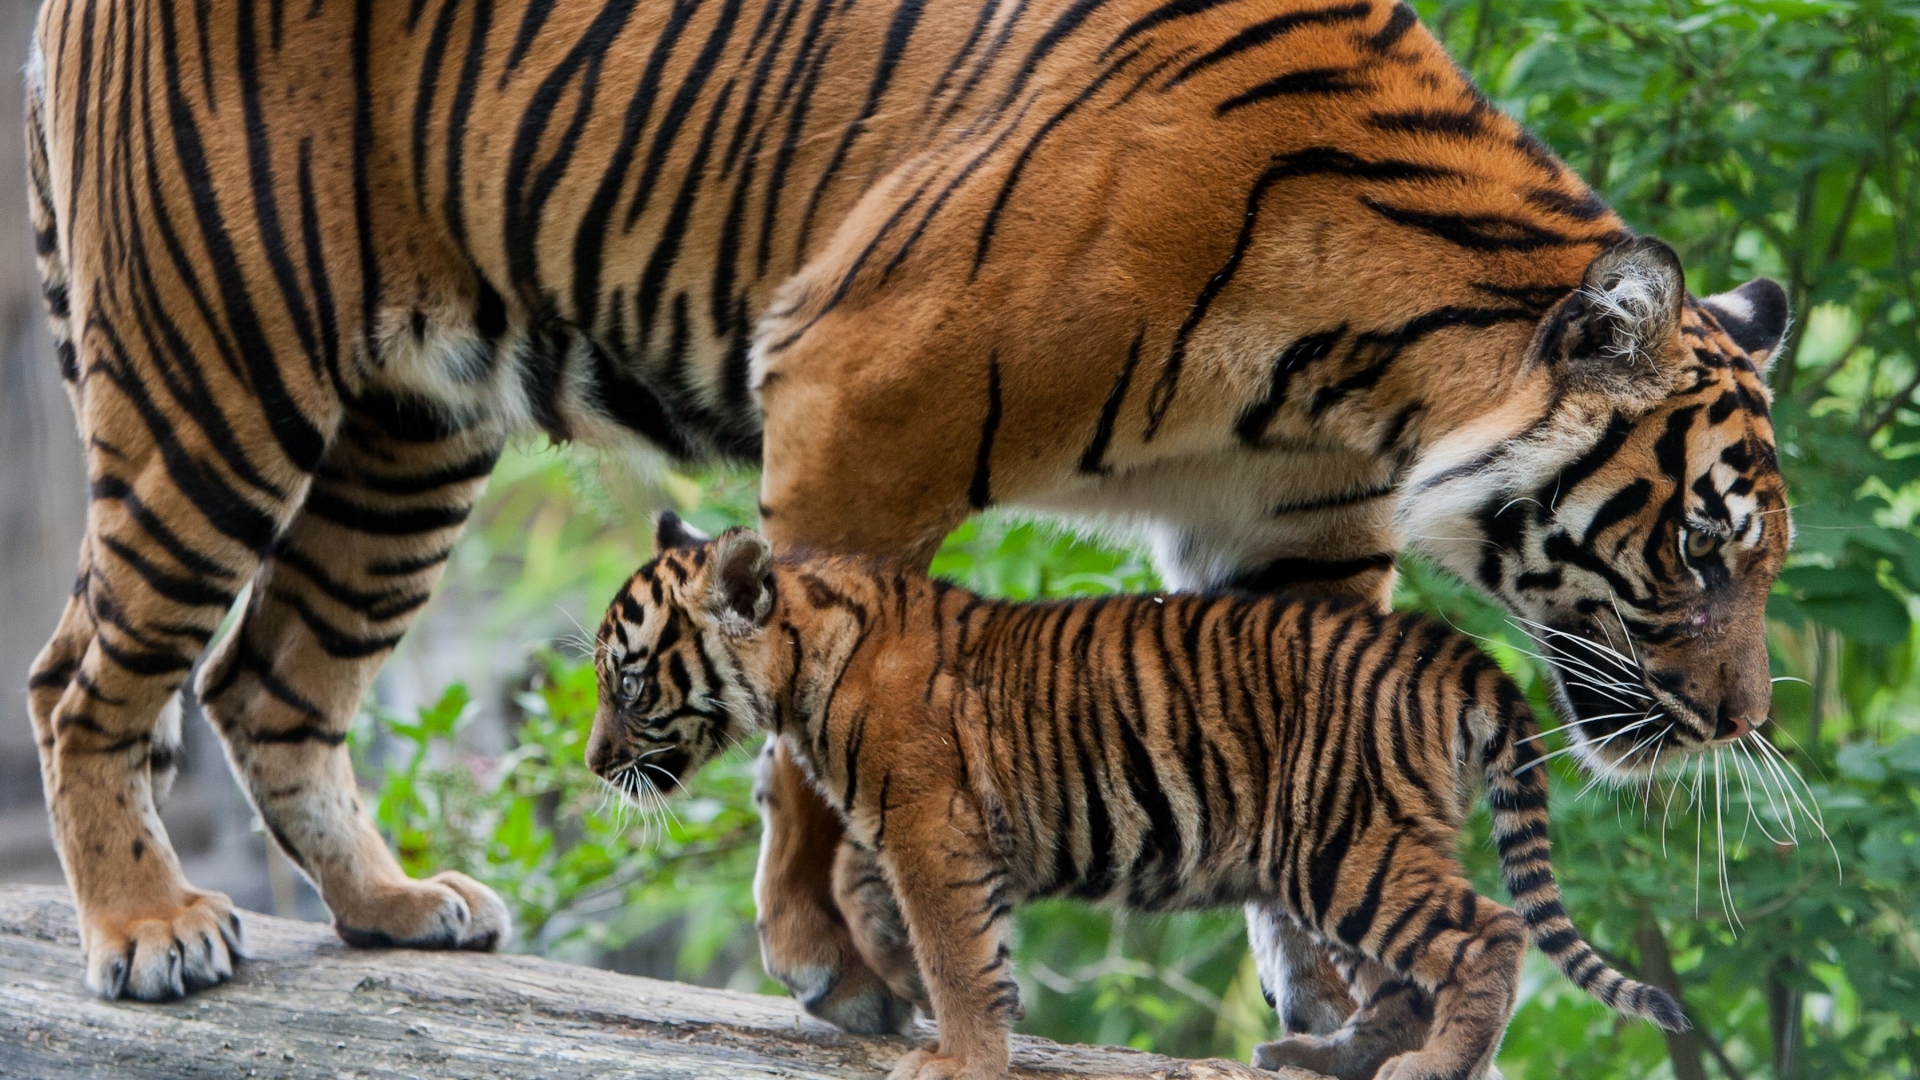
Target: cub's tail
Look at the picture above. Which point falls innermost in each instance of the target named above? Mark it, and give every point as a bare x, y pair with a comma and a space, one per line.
1517, 794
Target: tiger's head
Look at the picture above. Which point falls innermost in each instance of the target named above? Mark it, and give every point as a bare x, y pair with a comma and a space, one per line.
673, 656
1637, 527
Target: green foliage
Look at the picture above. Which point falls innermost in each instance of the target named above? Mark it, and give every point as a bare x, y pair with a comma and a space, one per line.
1776, 137
582, 873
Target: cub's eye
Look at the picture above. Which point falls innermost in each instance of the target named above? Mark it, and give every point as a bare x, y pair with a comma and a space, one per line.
629, 687
1701, 544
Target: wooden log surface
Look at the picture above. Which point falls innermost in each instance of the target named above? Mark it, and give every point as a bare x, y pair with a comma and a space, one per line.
306, 1006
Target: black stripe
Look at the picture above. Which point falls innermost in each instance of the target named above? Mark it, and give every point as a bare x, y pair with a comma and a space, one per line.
1062, 28
428, 83
526, 198
1165, 13
806, 68
1281, 575
1251, 427
1266, 32
1477, 232
1461, 122
327, 506
1293, 84
1093, 459
333, 640
534, 17
1619, 506
1354, 925
673, 232
1584, 206
980, 491
1402, 20
181, 590
363, 150
376, 606
108, 486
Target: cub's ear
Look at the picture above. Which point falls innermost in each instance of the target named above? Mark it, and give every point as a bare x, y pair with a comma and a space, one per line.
742, 580
1755, 316
670, 532
1610, 334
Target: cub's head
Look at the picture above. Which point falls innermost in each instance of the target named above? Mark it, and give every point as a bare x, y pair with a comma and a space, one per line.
1638, 528
674, 687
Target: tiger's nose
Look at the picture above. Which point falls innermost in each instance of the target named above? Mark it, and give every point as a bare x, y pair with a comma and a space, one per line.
1731, 727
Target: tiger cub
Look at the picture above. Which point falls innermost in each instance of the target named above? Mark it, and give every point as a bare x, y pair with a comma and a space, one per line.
1163, 752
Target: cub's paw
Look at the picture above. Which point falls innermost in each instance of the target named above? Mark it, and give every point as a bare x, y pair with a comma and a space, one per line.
929, 1064
851, 998
446, 911
161, 955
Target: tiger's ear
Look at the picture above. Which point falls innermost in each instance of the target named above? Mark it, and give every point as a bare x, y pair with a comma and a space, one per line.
670, 532
741, 582
1611, 333
1755, 316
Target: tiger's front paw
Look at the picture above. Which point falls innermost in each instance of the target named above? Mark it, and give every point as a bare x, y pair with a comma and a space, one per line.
929, 1064
1320, 1055
446, 911
1426, 1066
162, 954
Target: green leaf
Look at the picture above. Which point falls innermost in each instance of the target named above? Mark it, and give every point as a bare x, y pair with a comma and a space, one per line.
1851, 601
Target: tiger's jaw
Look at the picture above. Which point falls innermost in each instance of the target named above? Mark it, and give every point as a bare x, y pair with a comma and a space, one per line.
1635, 709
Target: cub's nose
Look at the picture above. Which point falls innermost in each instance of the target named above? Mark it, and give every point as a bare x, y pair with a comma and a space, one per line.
1731, 727
599, 754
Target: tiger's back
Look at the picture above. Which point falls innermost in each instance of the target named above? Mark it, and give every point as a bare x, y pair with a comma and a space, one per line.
1309, 757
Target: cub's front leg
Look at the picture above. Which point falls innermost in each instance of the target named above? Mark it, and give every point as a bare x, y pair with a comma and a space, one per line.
955, 894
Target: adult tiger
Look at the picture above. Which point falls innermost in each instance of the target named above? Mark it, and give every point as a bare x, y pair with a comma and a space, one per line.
1268, 276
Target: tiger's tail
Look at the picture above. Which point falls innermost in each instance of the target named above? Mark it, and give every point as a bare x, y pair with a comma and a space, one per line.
1517, 794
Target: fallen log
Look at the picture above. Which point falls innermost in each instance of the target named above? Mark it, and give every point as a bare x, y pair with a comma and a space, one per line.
306, 1006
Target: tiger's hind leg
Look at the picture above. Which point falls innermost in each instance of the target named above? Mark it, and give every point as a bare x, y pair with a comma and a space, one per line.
805, 939
878, 927
342, 583
184, 498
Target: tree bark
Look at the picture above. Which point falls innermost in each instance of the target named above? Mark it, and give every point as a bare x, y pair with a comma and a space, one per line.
305, 1007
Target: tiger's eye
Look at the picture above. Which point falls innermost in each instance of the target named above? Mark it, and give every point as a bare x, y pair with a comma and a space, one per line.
1701, 544
629, 686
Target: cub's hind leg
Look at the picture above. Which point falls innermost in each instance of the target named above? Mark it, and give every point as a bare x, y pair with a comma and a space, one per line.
341, 585
1458, 950
1392, 1014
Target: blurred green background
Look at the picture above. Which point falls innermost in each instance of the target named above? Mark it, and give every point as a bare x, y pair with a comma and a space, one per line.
1776, 137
